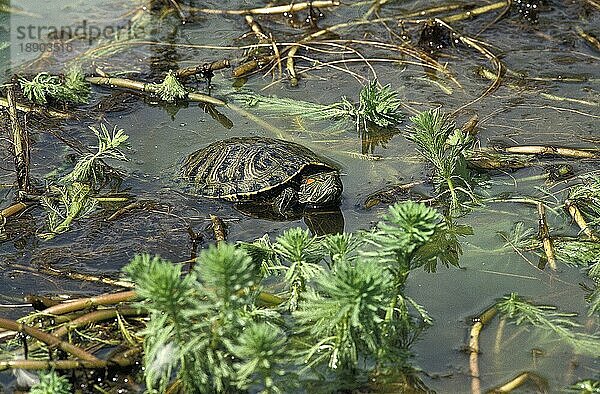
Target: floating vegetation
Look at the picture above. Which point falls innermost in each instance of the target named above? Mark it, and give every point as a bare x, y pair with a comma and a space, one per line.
207, 327
171, 90
71, 89
73, 197
378, 105
445, 147
51, 383
547, 319
91, 167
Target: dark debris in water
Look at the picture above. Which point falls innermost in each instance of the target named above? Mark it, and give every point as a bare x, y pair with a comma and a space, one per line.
528, 10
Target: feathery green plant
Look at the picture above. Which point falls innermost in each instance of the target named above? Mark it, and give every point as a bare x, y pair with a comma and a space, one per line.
261, 349
74, 201
170, 89
588, 386
444, 146
91, 167
196, 320
51, 383
73, 198
297, 247
546, 318
378, 105
349, 313
345, 313
71, 89
587, 196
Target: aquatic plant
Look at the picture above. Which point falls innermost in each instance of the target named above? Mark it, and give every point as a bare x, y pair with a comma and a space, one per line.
587, 197
170, 89
73, 196
90, 167
588, 386
378, 105
444, 146
210, 329
71, 89
547, 319
574, 252
51, 383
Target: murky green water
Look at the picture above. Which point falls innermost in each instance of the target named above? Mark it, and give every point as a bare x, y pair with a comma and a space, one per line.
548, 53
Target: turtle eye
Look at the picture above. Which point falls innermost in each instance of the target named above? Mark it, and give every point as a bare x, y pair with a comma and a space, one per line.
309, 181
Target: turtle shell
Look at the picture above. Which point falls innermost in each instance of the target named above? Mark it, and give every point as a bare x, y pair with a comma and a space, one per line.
239, 168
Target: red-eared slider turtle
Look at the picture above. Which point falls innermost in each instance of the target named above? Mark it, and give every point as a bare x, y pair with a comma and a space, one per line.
280, 172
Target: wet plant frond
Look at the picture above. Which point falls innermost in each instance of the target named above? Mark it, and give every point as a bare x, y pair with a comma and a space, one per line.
588, 386
444, 146
347, 312
72, 89
91, 166
587, 196
341, 247
546, 318
262, 352
262, 253
171, 90
52, 383
405, 228
71, 202
379, 105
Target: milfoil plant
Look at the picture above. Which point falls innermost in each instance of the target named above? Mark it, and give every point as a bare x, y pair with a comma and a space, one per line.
270, 316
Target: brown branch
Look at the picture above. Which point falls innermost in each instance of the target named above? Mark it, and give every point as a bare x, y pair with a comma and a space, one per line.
96, 316
579, 219
218, 228
521, 379
86, 303
294, 7
252, 65
593, 41
478, 324
51, 341
149, 88
544, 235
203, 69
551, 150
13, 210
474, 12
20, 140
48, 365
36, 110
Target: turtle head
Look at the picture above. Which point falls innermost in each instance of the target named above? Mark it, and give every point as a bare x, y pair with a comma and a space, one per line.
320, 189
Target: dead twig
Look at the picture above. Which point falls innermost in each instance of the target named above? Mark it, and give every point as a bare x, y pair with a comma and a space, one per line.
36, 110
521, 379
294, 7
149, 87
218, 228
578, 218
550, 150
52, 341
20, 140
593, 41
205, 70
12, 210
96, 316
90, 302
544, 235
478, 324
